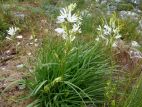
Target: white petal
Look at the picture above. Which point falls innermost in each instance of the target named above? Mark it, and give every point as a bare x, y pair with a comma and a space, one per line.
76, 28
97, 39
60, 19
64, 36
72, 18
118, 36
59, 30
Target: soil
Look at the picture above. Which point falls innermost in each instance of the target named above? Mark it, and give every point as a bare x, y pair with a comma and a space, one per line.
14, 65
16, 58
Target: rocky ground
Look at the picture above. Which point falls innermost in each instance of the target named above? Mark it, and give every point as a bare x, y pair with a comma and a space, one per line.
14, 65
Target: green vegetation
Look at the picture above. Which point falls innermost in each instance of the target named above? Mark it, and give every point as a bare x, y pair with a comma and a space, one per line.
86, 56
129, 30
135, 97
69, 79
125, 7
3, 24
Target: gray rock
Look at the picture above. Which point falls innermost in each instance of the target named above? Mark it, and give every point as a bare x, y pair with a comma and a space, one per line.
128, 14
20, 15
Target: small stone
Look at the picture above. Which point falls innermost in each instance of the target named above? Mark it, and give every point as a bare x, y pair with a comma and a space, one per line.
20, 66
31, 43
19, 37
29, 53
36, 40
8, 51
3, 68
18, 43
36, 45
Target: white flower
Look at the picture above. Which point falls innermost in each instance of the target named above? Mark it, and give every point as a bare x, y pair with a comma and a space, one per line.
76, 28
60, 19
68, 18
107, 30
66, 13
12, 31
135, 44
72, 18
63, 15
60, 30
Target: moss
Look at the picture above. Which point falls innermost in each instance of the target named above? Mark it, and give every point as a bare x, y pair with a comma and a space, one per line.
126, 7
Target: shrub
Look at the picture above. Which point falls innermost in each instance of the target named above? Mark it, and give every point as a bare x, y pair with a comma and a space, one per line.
129, 30
73, 79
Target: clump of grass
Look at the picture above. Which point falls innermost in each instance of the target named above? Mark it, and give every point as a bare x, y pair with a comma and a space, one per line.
73, 79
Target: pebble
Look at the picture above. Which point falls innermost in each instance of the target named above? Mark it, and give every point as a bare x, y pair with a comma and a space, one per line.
20, 66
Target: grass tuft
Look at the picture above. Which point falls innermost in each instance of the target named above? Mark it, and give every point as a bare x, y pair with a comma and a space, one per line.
73, 79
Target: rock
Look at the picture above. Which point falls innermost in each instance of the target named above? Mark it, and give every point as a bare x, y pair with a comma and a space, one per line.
20, 15
19, 66
128, 14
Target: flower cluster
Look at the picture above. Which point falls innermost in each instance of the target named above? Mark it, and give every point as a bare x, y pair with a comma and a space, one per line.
70, 23
12, 32
109, 32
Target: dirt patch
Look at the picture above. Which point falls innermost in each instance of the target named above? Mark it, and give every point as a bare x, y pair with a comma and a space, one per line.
14, 65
